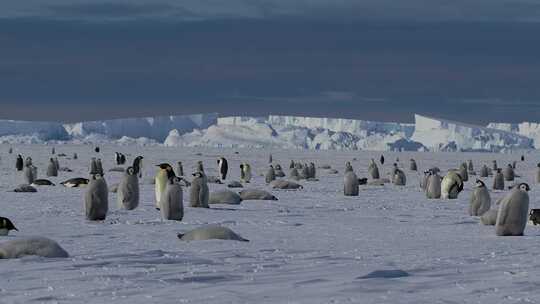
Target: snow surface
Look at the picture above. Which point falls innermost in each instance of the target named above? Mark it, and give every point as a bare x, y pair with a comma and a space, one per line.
436, 133
388, 245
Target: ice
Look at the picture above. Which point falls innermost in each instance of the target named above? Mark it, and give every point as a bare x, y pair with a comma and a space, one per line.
437, 134
388, 245
528, 129
40, 130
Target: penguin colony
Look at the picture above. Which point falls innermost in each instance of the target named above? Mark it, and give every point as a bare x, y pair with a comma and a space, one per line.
510, 218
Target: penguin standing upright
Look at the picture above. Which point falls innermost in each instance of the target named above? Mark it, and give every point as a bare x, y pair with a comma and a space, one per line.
312, 170
484, 172
128, 190
463, 172
6, 226
245, 172
451, 185
270, 175
433, 185
470, 166
199, 193
52, 169
180, 169
412, 165
164, 174
19, 163
28, 162
424, 180
96, 198
350, 184
199, 166
498, 180
509, 173
382, 159
270, 158
172, 202
513, 211
494, 165
292, 165
138, 165
348, 167
97, 149
373, 170
538, 173
99, 166
29, 175
56, 163
522, 158
53, 151
480, 201
304, 174
399, 178
93, 166
10, 150
119, 158
223, 167
75, 156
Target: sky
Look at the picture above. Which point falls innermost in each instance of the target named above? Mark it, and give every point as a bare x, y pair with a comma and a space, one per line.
470, 60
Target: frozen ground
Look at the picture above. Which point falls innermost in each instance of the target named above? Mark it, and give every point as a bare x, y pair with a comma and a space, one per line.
311, 246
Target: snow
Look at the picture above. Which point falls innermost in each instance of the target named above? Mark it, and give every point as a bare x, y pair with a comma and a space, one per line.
388, 245
528, 129
438, 133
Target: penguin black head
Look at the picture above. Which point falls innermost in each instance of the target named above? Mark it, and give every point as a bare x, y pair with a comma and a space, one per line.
538, 165
241, 166
524, 187
498, 170
480, 184
97, 176
197, 174
164, 166
5, 223
130, 171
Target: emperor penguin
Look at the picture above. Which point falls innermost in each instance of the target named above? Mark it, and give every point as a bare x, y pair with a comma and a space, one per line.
53, 151
270, 175
292, 165
538, 173
433, 185
470, 166
494, 165
138, 165
509, 173
480, 200
200, 167
180, 169
172, 202
394, 170
164, 174
19, 164
99, 166
348, 167
513, 212
522, 158
373, 170
498, 180
10, 150
382, 159
93, 166
199, 193
270, 160
424, 180
279, 171
52, 169
412, 165
75, 156
119, 158
312, 170
484, 172
29, 174
304, 174
245, 172
128, 190
451, 185
350, 184
293, 174
223, 167
97, 149
399, 178
514, 164
463, 172
96, 198
28, 162
6, 226
211, 232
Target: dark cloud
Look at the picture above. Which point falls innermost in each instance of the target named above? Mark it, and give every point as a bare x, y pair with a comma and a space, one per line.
117, 10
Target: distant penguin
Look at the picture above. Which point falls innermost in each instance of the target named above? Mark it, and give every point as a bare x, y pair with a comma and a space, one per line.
96, 198
128, 190
75, 156
270, 160
509, 173
463, 172
293, 174
164, 174
199, 166
56, 163
351, 184
53, 151
348, 167
28, 162
292, 165
211, 232
480, 201
19, 164
412, 165
451, 185
99, 166
394, 170
399, 178
138, 165
494, 166
304, 174
29, 176
257, 194
10, 150
270, 175
424, 180
382, 159
172, 202
373, 170
513, 212
433, 186
498, 180
42, 182
514, 164
484, 172
278, 171
93, 166
223, 167
75, 182
180, 169
470, 166
312, 170
52, 169
538, 173
97, 149
199, 193
522, 158
119, 158
245, 172
6, 226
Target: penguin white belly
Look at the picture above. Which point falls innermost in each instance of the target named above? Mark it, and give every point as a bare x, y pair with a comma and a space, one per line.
161, 184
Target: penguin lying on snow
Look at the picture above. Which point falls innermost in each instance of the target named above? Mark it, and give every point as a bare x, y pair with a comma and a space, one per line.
534, 216
38, 246
42, 182
75, 182
210, 232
